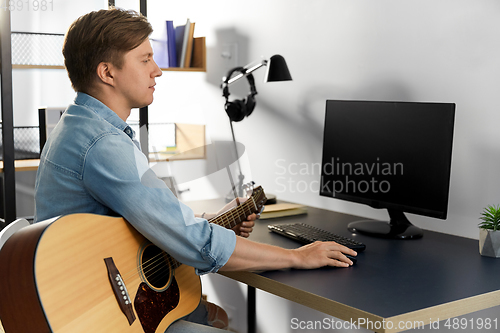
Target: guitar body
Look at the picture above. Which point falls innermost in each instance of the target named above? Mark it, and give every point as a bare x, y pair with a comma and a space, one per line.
85, 273
54, 278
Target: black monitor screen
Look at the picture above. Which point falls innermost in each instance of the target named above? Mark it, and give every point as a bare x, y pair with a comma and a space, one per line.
394, 155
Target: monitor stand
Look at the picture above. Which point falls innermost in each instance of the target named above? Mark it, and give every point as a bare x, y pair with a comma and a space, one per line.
398, 228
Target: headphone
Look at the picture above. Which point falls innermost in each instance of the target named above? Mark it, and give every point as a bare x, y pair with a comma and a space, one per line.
238, 109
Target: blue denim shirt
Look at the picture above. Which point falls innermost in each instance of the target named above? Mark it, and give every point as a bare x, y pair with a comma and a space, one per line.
91, 163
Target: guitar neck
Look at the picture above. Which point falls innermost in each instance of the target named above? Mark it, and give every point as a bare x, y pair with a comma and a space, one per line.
233, 217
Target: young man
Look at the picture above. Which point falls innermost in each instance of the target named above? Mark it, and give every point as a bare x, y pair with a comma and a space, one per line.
92, 163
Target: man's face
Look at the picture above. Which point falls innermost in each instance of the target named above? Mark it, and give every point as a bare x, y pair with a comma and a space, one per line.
135, 81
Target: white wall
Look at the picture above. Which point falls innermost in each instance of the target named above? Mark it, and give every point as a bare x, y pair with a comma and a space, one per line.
435, 51
412, 50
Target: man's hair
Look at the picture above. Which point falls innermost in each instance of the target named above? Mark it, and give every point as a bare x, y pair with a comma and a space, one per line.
101, 36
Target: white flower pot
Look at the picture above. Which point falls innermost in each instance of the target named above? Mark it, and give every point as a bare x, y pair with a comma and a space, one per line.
489, 243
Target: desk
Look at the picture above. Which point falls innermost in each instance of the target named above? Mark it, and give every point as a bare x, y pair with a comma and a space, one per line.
23, 165
437, 277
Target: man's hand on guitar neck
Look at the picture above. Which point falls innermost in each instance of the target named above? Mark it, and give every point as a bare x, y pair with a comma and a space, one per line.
242, 229
246, 227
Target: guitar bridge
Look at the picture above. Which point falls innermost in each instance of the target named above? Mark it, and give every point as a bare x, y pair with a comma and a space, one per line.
120, 290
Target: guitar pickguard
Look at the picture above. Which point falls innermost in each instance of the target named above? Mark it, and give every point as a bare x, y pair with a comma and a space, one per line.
152, 306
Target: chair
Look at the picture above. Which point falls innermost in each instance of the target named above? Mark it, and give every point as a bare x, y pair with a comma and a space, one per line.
10, 229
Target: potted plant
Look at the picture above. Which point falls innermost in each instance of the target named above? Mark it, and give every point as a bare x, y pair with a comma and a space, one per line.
489, 232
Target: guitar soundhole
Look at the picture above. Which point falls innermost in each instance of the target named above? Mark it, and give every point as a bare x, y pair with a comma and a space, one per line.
155, 267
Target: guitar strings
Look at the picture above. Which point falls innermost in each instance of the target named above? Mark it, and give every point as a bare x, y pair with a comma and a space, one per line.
149, 266
152, 275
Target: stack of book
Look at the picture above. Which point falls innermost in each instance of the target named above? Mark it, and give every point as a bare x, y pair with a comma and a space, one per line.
177, 49
282, 209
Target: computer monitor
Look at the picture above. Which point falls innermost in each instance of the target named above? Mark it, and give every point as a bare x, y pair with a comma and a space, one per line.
392, 155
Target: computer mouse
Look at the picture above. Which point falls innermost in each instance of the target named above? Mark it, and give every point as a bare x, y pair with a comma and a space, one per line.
353, 259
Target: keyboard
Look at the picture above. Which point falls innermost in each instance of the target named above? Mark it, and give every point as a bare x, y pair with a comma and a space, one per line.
305, 234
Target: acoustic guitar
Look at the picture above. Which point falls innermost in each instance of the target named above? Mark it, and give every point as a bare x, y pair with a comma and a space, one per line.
91, 273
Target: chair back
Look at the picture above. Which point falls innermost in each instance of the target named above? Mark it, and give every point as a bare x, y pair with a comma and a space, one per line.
10, 229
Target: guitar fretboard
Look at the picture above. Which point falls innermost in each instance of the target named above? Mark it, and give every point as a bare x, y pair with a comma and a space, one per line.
237, 215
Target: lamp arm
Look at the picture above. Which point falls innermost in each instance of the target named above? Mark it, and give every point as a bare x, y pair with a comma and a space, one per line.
247, 71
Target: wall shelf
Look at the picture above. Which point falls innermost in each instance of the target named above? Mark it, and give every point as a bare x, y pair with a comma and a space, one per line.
189, 144
199, 60
178, 69
170, 69
21, 61
36, 67
23, 165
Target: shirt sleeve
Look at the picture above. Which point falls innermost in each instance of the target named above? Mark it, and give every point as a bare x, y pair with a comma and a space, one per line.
118, 176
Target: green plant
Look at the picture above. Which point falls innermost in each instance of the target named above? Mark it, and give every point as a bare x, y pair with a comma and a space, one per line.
490, 218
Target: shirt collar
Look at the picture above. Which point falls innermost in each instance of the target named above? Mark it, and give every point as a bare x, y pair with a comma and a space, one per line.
103, 111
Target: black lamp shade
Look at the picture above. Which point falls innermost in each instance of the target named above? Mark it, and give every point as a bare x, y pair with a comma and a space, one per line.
277, 69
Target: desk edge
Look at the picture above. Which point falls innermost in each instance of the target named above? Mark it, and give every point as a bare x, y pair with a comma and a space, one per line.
449, 310
319, 303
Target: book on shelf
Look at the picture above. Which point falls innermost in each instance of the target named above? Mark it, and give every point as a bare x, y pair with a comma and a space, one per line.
189, 45
178, 47
199, 53
185, 37
179, 41
282, 209
171, 49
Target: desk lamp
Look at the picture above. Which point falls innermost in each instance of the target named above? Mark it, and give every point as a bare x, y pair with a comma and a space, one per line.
237, 110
